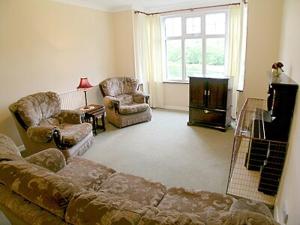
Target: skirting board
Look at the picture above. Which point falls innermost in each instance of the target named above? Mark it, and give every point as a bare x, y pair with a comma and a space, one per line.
180, 108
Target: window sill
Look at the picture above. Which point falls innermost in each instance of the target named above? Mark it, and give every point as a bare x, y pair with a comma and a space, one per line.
175, 82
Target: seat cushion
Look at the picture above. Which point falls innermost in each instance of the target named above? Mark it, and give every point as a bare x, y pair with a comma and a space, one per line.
250, 205
125, 99
74, 133
86, 173
92, 208
133, 108
38, 185
180, 206
181, 200
137, 191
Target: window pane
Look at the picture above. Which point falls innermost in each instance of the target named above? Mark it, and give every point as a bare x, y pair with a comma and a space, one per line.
193, 57
215, 23
173, 27
215, 56
174, 57
193, 25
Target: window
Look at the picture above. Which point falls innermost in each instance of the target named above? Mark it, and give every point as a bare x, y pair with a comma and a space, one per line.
195, 45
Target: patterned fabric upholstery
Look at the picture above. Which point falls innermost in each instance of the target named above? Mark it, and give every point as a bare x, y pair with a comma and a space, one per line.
33, 108
137, 191
8, 150
189, 207
119, 86
89, 175
51, 159
42, 190
28, 213
124, 104
253, 206
133, 108
37, 185
39, 119
92, 208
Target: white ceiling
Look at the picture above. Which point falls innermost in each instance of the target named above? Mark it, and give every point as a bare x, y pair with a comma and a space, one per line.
147, 5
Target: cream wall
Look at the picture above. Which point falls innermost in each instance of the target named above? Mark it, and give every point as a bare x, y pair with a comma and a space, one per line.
289, 198
264, 19
124, 43
45, 45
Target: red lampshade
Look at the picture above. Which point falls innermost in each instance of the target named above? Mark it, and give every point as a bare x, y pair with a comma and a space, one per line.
84, 83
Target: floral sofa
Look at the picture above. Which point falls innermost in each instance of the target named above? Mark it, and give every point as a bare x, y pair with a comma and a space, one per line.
43, 124
44, 189
124, 104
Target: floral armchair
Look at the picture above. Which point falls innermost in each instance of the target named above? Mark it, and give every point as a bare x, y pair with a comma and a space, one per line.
42, 124
124, 104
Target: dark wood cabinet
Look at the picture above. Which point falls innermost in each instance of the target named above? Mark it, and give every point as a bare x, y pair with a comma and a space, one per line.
210, 102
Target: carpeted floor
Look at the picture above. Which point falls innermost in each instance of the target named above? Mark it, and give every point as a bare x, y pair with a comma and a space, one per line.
169, 151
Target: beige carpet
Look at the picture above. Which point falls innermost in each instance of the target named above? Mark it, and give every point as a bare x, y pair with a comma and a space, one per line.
169, 151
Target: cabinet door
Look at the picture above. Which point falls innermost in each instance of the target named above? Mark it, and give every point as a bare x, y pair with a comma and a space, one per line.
217, 94
197, 92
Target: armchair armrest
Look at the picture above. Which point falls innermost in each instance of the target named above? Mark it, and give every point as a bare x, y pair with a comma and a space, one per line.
70, 116
112, 102
41, 134
51, 159
140, 97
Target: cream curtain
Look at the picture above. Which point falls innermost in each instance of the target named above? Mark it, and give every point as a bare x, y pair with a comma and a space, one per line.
236, 51
148, 56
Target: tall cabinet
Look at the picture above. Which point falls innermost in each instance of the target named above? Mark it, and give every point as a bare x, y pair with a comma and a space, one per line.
210, 102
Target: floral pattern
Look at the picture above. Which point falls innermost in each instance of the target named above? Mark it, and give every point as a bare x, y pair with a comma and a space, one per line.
27, 212
51, 159
130, 108
137, 191
89, 175
8, 150
46, 189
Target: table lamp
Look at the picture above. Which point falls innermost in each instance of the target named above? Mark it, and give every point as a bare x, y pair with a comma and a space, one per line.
84, 85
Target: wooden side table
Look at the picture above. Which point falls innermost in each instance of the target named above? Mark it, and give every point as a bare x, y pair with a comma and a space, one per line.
93, 114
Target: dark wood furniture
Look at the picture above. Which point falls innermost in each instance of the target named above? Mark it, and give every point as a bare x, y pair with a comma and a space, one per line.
93, 114
210, 102
270, 133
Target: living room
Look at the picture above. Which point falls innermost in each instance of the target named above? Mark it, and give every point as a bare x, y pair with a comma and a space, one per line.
49, 45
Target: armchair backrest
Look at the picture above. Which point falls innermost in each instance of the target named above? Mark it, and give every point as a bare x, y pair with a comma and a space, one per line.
30, 110
118, 86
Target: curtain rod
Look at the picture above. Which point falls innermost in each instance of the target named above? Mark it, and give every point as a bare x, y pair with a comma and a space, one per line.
190, 9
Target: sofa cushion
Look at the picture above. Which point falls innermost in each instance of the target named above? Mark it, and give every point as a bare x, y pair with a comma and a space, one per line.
86, 173
250, 205
38, 185
181, 200
138, 191
180, 206
91, 208
33, 108
133, 108
74, 133
8, 150
125, 99
51, 159
239, 217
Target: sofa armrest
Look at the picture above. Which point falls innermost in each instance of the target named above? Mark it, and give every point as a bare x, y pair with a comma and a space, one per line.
112, 103
41, 134
140, 97
51, 159
70, 116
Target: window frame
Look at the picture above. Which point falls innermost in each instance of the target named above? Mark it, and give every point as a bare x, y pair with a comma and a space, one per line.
184, 36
